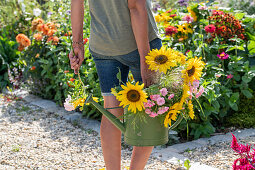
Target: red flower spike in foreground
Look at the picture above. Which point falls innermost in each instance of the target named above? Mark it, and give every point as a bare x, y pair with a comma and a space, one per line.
247, 159
210, 28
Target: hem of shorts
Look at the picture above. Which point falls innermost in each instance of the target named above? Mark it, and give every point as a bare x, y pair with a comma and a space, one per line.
107, 94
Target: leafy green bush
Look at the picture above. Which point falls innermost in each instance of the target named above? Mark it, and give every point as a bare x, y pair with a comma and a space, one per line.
245, 118
8, 57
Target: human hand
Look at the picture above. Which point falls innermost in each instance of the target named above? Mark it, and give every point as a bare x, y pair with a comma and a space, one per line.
148, 76
77, 58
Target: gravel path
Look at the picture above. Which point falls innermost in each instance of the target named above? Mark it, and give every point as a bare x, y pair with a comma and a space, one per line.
31, 138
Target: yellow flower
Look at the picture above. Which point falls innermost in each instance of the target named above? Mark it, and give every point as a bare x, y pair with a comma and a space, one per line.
132, 96
114, 92
193, 70
180, 58
191, 111
188, 28
193, 14
161, 60
158, 18
171, 115
185, 95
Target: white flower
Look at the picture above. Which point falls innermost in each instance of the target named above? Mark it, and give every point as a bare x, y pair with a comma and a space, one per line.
68, 106
20, 1
37, 12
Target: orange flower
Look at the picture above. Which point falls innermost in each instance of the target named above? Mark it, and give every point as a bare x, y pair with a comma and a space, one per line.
21, 47
37, 55
36, 22
72, 79
66, 71
38, 37
32, 68
23, 40
40, 27
50, 39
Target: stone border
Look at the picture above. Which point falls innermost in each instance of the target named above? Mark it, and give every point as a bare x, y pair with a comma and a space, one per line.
171, 154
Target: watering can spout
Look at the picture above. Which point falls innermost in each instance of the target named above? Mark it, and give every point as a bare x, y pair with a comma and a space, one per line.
107, 114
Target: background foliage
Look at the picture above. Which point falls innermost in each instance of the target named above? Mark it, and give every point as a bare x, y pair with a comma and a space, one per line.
226, 102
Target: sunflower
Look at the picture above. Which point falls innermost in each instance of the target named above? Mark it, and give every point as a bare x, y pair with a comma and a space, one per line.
193, 70
191, 111
161, 60
132, 96
171, 115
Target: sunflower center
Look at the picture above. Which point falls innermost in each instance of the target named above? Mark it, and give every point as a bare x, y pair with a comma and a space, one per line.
161, 59
191, 71
133, 95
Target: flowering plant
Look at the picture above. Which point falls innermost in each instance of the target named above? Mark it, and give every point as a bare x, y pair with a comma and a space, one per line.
247, 158
176, 82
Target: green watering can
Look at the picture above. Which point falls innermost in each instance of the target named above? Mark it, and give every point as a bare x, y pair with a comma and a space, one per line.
147, 131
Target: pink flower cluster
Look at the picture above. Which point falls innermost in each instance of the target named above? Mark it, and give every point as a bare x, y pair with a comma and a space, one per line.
194, 89
247, 158
188, 18
156, 102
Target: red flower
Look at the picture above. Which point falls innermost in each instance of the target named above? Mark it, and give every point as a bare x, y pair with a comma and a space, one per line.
173, 15
218, 12
72, 79
171, 30
85, 40
210, 28
170, 10
32, 68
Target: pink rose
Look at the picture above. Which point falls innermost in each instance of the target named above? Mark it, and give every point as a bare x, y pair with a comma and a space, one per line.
218, 75
153, 114
160, 101
201, 91
170, 96
154, 97
148, 111
163, 91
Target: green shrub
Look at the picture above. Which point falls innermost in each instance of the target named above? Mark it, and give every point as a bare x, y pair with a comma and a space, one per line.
245, 117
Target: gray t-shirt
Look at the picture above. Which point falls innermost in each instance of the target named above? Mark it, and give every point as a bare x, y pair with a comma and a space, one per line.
110, 28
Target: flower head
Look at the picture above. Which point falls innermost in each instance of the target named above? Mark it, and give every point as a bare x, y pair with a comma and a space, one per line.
210, 28
163, 91
160, 101
170, 30
188, 18
230, 76
223, 56
132, 96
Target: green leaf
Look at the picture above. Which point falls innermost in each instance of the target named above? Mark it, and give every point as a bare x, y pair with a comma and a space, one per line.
251, 47
233, 105
239, 15
187, 164
246, 78
247, 93
119, 75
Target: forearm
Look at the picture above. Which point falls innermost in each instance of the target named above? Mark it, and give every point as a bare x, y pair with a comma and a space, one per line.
77, 15
139, 21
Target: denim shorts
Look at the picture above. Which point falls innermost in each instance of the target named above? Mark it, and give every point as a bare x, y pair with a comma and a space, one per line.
108, 67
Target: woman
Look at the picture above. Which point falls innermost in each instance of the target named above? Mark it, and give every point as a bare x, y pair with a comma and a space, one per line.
122, 34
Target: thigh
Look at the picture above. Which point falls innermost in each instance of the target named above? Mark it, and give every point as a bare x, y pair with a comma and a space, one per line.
107, 70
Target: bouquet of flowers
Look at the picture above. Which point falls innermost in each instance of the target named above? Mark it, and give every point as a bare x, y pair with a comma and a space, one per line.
176, 83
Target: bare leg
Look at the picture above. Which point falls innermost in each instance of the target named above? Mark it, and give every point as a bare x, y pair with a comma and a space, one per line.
111, 136
140, 157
